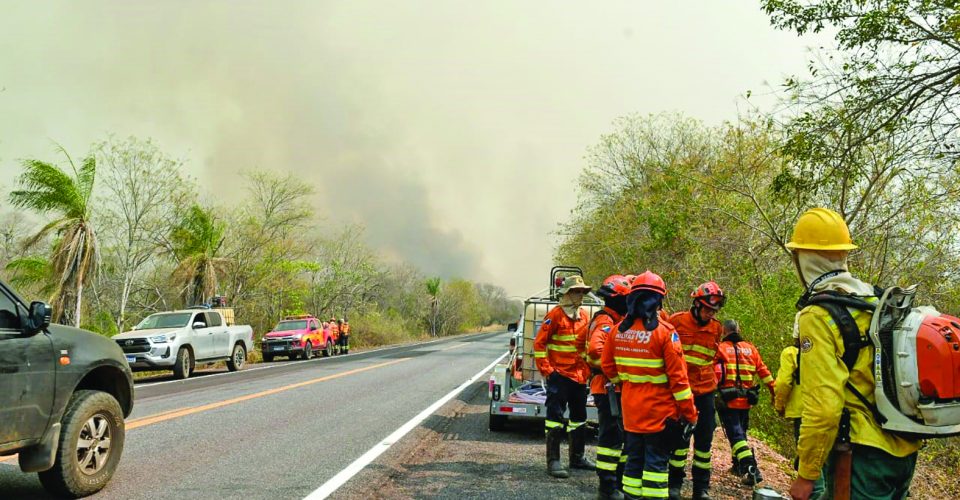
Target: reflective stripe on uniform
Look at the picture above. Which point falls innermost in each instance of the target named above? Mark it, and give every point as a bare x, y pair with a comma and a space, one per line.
561, 348
697, 361
701, 459
644, 379
564, 338
572, 426
679, 458
608, 452
638, 362
632, 481
767, 379
743, 367
550, 424
615, 380
539, 354
606, 466
655, 484
702, 350
683, 395
636, 491
742, 450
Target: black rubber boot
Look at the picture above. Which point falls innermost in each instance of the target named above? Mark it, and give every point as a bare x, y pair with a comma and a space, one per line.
554, 466
701, 495
609, 493
578, 443
674, 493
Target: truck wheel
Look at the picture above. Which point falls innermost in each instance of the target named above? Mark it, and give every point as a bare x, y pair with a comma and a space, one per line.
328, 350
498, 422
90, 445
237, 358
307, 351
184, 365
267, 358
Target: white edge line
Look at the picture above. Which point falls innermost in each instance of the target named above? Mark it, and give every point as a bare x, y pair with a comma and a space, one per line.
359, 464
268, 366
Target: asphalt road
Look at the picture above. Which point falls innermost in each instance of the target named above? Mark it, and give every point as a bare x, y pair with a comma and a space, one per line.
279, 431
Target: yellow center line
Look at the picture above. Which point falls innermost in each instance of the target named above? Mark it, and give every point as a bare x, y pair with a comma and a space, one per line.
163, 417
170, 415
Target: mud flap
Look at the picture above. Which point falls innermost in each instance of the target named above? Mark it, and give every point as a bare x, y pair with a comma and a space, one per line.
41, 456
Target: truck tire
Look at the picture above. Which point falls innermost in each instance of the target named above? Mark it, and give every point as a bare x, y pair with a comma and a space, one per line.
91, 443
498, 422
184, 365
267, 358
328, 350
237, 358
307, 351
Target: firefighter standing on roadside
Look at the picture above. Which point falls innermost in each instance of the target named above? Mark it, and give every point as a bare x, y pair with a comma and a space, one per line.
345, 335
559, 349
614, 293
882, 464
738, 365
335, 331
700, 334
645, 356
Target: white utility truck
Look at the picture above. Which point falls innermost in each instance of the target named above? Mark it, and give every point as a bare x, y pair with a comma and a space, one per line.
516, 388
179, 340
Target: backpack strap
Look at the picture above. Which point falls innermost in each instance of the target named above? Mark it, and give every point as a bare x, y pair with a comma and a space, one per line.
853, 339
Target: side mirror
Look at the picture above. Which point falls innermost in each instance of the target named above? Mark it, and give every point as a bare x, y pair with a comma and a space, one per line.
199, 325
512, 327
38, 318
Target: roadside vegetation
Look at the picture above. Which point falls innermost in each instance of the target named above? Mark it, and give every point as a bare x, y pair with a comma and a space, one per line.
871, 132
124, 233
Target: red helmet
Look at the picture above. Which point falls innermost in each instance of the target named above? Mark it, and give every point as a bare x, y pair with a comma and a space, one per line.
710, 294
614, 286
648, 281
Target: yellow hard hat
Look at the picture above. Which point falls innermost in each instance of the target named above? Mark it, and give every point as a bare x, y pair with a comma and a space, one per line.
821, 229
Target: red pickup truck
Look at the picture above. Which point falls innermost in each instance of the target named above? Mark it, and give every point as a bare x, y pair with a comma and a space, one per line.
295, 336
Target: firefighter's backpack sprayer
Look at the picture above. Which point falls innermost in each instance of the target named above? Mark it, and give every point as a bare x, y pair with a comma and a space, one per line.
916, 364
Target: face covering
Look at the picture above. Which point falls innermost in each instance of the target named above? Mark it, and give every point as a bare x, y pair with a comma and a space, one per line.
571, 306
618, 304
827, 271
643, 305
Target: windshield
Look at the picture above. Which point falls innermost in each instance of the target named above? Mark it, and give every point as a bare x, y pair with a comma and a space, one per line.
169, 320
286, 326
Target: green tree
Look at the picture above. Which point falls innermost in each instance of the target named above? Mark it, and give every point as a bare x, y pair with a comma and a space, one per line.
75, 256
898, 63
433, 290
195, 243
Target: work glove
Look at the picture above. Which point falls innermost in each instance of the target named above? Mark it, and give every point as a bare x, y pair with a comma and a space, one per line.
686, 430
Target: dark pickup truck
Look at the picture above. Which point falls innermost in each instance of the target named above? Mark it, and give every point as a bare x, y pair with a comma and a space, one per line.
64, 394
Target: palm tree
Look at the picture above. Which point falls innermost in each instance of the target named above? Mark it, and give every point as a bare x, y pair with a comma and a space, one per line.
75, 259
195, 242
433, 289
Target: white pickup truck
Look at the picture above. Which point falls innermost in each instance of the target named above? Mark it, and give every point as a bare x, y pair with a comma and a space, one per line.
178, 340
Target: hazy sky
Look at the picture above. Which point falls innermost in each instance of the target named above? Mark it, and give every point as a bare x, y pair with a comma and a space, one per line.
453, 130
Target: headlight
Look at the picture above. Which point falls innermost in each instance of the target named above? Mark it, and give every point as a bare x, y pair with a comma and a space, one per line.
162, 339
298, 336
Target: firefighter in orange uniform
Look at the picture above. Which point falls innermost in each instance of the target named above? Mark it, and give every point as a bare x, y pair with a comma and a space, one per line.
559, 349
645, 356
614, 293
335, 331
738, 363
700, 334
345, 335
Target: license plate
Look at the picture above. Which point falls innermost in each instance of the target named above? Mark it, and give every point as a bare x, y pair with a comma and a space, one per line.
131, 359
278, 348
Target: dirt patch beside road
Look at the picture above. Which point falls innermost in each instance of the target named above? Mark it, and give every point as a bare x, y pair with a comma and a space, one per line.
453, 455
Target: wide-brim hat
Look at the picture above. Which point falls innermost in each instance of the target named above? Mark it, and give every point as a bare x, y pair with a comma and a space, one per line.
573, 283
